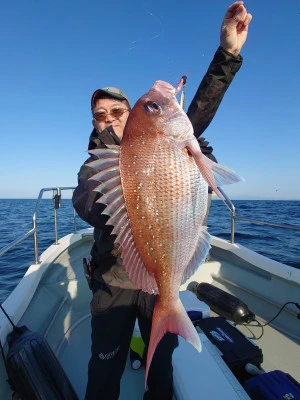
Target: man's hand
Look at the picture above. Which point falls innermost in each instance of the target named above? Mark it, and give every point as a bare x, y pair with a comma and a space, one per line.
234, 28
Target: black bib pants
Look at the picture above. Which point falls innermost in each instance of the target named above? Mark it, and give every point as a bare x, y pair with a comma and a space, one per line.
114, 311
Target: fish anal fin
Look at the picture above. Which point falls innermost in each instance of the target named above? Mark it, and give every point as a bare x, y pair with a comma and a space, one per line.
135, 267
201, 251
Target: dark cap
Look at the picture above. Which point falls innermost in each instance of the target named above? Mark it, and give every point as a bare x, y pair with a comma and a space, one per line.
108, 92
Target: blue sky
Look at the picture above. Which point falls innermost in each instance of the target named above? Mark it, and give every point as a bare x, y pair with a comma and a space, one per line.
55, 54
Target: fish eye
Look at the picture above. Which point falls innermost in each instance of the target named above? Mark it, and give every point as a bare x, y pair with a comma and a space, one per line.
151, 106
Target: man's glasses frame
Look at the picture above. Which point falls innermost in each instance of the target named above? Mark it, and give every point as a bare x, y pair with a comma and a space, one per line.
117, 112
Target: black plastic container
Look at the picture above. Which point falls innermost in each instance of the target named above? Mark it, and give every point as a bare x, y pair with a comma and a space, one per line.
236, 349
34, 371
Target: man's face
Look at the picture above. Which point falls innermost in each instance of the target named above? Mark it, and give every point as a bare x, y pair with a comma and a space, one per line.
107, 106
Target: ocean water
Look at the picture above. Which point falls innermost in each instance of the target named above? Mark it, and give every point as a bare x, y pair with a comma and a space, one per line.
277, 243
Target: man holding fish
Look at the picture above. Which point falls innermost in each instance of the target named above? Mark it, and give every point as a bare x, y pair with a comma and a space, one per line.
144, 189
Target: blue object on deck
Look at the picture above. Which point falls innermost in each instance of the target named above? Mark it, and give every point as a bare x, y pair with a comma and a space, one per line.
273, 385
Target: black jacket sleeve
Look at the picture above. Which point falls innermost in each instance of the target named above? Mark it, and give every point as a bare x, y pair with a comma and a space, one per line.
212, 88
210, 93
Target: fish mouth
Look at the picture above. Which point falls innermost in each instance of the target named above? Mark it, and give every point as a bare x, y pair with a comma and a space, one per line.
176, 117
164, 87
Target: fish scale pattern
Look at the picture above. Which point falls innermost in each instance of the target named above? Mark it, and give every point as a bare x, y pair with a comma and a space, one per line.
165, 205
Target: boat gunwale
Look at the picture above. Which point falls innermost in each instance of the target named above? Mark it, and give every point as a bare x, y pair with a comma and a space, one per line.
18, 300
264, 263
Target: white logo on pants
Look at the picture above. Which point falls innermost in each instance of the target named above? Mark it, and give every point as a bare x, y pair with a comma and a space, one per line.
110, 355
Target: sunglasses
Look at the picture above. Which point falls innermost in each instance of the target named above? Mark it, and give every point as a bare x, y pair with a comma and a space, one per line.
114, 112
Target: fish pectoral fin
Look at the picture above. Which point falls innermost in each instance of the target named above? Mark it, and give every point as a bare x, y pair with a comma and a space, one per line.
214, 173
201, 250
134, 265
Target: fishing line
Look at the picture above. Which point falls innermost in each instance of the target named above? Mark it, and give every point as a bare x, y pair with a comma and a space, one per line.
158, 31
8, 317
5, 363
2, 349
153, 37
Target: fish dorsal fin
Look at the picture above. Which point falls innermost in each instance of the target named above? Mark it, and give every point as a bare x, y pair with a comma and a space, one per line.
202, 248
108, 173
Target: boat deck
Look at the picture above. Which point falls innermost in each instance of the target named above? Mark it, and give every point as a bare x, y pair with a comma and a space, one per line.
74, 356
272, 338
64, 288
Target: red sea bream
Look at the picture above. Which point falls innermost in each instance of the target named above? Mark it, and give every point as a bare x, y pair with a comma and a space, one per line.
155, 187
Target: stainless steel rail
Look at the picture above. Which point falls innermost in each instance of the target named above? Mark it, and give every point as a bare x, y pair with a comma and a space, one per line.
34, 231
234, 217
57, 197
15, 242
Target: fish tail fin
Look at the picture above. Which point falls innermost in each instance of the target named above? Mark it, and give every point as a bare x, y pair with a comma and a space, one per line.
177, 321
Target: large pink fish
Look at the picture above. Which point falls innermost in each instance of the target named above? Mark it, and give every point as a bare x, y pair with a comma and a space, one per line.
155, 187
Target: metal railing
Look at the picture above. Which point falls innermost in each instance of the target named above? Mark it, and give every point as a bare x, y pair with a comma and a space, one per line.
57, 197
34, 231
234, 217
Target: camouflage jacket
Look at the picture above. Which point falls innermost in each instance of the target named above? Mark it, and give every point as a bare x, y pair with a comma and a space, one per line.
200, 112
